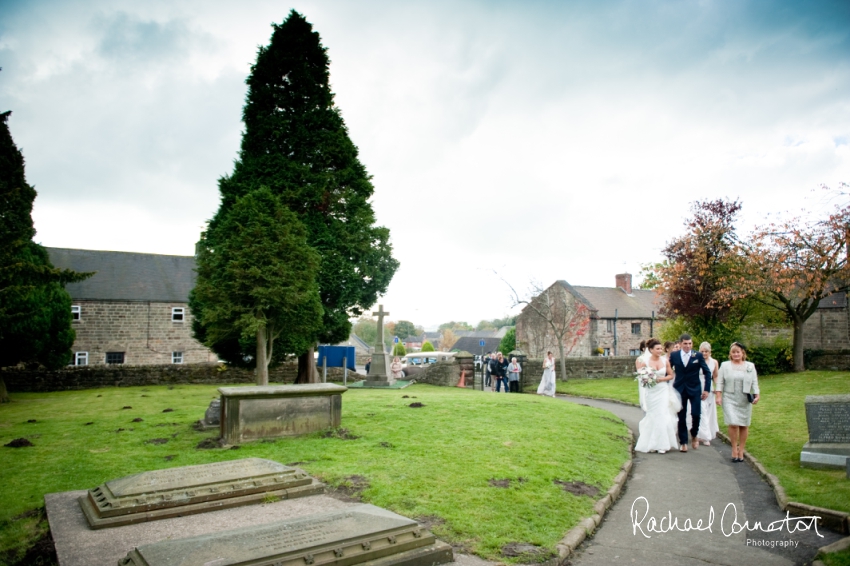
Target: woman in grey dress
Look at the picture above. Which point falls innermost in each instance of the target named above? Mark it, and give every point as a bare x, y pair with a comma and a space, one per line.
736, 378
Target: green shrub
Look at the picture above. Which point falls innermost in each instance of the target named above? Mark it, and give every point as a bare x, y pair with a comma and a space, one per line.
427, 347
398, 350
771, 359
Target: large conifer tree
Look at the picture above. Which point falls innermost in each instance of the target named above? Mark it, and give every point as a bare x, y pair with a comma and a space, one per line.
35, 309
296, 143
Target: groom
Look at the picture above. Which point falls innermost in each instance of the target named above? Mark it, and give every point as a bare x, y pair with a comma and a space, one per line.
687, 364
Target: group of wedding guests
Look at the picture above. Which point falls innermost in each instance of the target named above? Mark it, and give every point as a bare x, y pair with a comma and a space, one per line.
689, 388
498, 371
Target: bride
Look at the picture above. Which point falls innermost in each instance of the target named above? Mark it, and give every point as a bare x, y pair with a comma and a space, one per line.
657, 429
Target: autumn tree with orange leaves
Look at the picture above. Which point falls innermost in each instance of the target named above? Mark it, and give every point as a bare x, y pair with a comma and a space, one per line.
700, 277
792, 265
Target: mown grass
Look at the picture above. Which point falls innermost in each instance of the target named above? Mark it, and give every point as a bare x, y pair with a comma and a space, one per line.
836, 558
435, 461
778, 431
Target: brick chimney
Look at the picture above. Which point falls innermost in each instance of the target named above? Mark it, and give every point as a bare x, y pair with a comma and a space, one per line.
624, 282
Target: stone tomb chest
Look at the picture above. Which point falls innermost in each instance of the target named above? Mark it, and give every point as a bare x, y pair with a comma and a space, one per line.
362, 533
159, 494
828, 419
251, 413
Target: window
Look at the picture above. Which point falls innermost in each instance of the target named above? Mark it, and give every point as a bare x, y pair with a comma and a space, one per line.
636, 328
177, 314
610, 325
81, 359
634, 352
606, 351
115, 357
176, 357
76, 311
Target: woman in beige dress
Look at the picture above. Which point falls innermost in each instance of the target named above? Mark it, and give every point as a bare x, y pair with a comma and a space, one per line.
396, 369
736, 379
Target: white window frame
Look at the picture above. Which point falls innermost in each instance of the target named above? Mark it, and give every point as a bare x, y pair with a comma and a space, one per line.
76, 313
609, 325
178, 311
176, 357
81, 357
606, 351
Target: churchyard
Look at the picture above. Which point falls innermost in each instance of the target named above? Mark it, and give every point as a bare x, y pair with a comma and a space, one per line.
486, 473
777, 434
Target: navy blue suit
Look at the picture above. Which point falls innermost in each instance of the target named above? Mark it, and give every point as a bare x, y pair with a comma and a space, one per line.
688, 385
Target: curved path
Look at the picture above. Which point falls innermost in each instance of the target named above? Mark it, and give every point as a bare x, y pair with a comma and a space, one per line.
688, 486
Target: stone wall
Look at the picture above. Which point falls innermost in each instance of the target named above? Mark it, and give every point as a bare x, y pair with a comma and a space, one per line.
596, 367
143, 330
89, 377
827, 329
836, 360
444, 374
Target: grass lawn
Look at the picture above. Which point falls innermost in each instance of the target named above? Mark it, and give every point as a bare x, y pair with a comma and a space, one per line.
434, 462
778, 429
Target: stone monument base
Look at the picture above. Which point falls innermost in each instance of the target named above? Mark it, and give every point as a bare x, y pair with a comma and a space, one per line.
825, 456
358, 534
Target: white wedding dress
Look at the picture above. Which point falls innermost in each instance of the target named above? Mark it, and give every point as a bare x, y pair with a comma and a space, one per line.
657, 429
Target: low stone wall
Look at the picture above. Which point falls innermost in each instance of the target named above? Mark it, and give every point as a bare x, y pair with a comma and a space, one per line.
444, 374
91, 377
838, 360
596, 367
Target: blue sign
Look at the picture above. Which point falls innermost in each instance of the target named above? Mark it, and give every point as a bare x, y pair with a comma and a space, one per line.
481, 343
395, 340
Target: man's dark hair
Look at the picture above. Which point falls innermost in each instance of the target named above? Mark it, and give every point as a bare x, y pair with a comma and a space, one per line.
685, 336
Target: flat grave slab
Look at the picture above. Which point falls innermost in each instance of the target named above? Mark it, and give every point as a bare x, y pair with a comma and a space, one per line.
186, 490
252, 413
77, 544
362, 533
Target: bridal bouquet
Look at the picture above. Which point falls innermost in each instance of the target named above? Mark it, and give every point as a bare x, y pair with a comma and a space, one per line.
646, 377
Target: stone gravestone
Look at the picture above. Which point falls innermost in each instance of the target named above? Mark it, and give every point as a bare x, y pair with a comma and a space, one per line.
212, 416
251, 413
828, 419
379, 372
159, 494
362, 533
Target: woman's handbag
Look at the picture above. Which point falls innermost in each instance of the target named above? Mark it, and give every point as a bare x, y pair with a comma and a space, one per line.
751, 397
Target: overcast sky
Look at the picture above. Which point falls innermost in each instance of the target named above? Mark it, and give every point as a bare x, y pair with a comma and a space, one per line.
537, 140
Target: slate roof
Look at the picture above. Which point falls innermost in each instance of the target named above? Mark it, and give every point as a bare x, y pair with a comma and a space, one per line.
834, 301
470, 344
605, 300
127, 276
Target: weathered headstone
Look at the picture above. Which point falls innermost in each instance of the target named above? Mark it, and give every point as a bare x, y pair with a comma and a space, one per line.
149, 496
212, 416
251, 413
828, 420
379, 372
362, 533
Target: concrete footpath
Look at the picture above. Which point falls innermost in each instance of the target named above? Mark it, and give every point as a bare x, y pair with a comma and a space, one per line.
685, 487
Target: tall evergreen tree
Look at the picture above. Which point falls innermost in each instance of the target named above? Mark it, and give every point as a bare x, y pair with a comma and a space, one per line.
256, 297
296, 143
35, 309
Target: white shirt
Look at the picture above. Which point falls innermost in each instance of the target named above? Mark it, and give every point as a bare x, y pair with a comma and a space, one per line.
686, 357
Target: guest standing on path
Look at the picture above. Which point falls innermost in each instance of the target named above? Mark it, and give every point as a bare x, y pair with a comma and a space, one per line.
737, 391
708, 427
503, 367
547, 383
514, 369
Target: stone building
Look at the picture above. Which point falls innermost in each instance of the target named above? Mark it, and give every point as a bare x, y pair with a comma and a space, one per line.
829, 327
134, 310
620, 318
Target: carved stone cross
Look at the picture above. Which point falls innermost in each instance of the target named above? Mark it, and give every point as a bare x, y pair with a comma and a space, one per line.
381, 313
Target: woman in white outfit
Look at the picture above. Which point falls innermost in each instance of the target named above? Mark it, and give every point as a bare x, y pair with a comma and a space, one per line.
657, 429
639, 363
708, 427
547, 384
